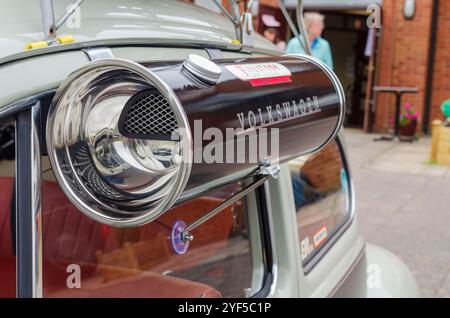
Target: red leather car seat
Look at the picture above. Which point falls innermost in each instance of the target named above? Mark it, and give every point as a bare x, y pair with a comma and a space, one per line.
7, 258
6, 191
68, 237
68, 234
145, 285
71, 237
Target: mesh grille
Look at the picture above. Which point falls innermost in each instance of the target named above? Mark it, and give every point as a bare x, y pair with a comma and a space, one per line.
68, 172
149, 115
91, 177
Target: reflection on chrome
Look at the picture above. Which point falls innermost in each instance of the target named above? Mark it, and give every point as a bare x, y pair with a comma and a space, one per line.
123, 181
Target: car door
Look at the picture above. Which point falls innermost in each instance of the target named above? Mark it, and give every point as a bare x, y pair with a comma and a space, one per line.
316, 197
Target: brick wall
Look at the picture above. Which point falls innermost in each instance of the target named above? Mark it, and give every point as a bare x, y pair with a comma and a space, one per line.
441, 79
404, 57
403, 61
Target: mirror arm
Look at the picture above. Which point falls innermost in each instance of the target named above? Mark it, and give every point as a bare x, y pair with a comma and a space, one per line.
48, 20
235, 10
266, 171
300, 35
301, 26
226, 13
60, 22
250, 5
234, 20
49, 23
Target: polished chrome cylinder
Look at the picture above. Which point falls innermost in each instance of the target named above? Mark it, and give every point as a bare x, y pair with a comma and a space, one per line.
121, 136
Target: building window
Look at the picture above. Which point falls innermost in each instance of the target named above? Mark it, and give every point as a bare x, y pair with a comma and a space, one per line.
7, 211
223, 260
321, 190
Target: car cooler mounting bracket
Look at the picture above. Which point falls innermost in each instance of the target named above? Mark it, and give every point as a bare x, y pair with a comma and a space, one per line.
181, 236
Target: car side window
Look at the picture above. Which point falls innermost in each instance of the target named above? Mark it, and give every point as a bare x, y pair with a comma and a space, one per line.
221, 260
321, 191
7, 211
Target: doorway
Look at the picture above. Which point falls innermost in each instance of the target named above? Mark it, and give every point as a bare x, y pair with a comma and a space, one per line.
348, 33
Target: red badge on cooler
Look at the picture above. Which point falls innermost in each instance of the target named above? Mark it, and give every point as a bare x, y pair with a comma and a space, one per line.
261, 74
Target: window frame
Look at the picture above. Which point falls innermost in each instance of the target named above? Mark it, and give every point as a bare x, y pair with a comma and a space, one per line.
28, 204
267, 242
28, 224
7, 117
336, 234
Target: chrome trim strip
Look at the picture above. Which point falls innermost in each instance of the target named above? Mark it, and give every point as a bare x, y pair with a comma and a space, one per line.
98, 53
75, 46
214, 54
166, 43
274, 272
36, 203
23, 104
28, 205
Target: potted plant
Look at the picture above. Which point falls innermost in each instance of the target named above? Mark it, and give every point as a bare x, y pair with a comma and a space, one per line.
408, 122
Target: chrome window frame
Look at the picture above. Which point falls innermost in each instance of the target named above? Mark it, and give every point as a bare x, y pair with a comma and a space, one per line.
28, 204
28, 212
268, 245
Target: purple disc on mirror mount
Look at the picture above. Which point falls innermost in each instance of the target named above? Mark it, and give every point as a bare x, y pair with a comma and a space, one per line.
179, 246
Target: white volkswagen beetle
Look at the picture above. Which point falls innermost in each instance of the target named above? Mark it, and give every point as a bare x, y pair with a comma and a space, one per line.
157, 149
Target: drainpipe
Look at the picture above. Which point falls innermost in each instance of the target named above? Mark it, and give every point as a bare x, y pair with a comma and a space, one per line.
430, 68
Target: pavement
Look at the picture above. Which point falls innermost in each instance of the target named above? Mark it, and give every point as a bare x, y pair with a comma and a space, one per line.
403, 204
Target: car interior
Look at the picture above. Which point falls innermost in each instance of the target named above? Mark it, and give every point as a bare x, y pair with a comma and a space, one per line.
128, 262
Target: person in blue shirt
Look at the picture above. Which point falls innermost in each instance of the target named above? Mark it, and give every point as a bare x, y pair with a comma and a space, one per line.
320, 48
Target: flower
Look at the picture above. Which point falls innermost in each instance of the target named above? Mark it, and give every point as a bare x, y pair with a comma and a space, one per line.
409, 115
408, 106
